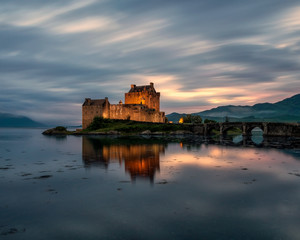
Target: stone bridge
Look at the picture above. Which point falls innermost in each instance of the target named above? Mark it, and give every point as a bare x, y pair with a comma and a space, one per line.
268, 128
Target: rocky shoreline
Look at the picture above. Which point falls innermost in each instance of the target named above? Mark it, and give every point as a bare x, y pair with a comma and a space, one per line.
54, 131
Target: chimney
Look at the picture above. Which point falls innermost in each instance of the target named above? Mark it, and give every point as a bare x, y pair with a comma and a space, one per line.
88, 101
133, 85
152, 84
106, 100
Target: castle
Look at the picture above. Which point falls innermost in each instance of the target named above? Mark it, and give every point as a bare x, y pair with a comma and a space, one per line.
141, 104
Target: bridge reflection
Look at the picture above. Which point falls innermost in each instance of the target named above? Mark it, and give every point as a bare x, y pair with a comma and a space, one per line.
254, 141
141, 160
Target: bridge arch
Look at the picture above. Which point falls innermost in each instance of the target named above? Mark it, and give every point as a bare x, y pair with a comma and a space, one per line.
251, 126
209, 127
257, 130
226, 128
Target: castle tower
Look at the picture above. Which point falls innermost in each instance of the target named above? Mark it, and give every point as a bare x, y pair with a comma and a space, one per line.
92, 108
144, 95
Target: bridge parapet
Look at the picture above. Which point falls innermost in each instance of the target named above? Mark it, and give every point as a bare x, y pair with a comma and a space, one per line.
269, 129
283, 129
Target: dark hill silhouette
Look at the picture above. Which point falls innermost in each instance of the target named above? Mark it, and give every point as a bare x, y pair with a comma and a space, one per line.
11, 120
287, 110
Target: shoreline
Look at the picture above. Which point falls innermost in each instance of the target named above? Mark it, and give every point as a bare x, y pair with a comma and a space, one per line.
279, 142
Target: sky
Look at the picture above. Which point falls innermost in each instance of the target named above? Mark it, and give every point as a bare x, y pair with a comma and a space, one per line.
198, 53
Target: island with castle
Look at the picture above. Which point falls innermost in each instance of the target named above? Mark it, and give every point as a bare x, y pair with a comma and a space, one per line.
140, 114
142, 104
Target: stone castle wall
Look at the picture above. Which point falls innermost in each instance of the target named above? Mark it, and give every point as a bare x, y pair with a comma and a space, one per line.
89, 112
121, 111
151, 100
136, 113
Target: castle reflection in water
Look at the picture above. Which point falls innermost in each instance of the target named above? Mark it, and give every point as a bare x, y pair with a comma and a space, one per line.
141, 157
141, 160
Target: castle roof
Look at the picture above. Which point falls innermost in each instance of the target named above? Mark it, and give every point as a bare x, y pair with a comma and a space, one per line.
148, 88
94, 102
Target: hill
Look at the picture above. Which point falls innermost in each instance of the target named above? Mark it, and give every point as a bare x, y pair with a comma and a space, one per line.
287, 110
11, 120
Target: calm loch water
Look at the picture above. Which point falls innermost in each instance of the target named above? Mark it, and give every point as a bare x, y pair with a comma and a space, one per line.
108, 188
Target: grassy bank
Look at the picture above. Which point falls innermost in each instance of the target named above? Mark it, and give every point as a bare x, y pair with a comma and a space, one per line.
127, 127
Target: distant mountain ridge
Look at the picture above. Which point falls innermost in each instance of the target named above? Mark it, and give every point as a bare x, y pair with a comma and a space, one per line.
11, 120
287, 110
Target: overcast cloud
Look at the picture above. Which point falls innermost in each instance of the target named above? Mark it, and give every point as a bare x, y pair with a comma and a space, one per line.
199, 53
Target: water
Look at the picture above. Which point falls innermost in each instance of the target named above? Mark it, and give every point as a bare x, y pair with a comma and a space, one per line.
109, 188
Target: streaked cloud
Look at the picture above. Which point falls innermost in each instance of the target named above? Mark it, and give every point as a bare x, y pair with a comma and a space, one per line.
37, 15
199, 54
291, 19
84, 25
